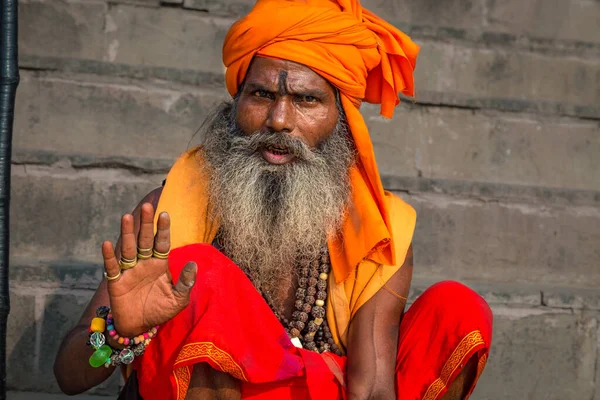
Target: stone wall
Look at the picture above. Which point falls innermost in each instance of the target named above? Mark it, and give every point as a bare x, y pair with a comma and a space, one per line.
500, 156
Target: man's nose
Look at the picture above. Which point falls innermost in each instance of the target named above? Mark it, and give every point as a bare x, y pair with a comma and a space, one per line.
281, 116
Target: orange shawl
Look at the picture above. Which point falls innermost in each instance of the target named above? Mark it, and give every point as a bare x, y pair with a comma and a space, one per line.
366, 59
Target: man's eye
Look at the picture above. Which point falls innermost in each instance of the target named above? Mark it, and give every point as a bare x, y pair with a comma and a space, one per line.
262, 93
309, 99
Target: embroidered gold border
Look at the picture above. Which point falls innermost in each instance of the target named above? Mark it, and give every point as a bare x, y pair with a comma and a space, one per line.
464, 348
182, 376
193, 351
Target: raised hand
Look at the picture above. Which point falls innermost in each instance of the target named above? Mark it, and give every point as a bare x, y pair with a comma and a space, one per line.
144, 296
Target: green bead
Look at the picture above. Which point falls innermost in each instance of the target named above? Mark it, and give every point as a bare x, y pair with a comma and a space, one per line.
100, 356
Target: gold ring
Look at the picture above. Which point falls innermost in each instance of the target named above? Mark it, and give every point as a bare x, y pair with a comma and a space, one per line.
144, 250
162, 256
128, 260
144, 254
112, 278
126, 264
141, 256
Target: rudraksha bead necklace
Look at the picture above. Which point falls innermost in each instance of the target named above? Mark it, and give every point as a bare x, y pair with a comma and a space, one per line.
308, 326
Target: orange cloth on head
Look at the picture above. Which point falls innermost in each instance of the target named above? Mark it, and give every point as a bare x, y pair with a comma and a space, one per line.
366, 59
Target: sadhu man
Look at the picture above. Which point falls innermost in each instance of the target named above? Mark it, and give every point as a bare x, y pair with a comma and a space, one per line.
272, 264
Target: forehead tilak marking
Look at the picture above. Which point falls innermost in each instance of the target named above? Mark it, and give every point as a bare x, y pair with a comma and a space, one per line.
282, 84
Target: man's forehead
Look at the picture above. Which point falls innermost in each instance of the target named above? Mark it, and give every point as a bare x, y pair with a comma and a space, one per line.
271, 71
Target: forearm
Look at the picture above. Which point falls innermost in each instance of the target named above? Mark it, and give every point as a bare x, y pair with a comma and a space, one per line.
72, 370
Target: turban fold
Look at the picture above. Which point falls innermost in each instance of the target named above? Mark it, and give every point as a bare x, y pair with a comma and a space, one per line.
363, 56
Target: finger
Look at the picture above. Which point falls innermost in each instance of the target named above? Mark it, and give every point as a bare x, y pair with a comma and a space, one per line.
184, 285
162, 240
111, 265
128, 243
146, 235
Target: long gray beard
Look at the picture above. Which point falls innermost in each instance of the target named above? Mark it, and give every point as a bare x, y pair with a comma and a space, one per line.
272, 216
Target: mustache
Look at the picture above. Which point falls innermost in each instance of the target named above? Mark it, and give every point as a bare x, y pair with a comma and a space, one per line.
251, 144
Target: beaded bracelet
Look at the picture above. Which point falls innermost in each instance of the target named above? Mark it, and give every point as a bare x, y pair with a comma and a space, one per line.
106, 355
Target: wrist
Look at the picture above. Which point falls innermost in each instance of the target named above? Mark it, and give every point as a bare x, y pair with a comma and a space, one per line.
111, 349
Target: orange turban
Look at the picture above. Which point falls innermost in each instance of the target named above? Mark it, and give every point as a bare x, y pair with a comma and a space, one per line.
366, 59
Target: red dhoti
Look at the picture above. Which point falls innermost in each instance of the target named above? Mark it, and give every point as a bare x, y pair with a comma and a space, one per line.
229, 326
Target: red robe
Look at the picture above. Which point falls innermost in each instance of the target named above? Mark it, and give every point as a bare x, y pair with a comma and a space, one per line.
229, 326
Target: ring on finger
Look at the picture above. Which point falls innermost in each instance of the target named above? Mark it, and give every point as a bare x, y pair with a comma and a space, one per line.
144, 254
112, 278
126, 264
128, 260
162, 256
141, 256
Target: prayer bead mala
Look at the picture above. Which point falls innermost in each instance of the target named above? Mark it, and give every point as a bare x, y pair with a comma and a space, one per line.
308, 326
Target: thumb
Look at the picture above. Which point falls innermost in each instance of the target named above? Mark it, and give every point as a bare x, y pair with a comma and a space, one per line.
184, 285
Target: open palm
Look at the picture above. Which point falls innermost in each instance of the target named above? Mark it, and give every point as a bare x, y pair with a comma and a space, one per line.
144, 296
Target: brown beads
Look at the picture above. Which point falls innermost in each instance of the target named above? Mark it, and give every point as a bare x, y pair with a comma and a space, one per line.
308, 322
318, 312
303, 317
321, 285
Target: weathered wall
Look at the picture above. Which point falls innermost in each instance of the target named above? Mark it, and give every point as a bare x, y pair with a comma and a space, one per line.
500, 156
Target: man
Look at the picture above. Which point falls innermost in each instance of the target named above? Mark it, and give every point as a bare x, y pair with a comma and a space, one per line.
286, 186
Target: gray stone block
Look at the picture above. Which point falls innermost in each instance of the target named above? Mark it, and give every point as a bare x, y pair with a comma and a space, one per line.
540, 355
567, 20
59, 274
65, 28
574, 298
506, 74
235, 8
458, 144
510, 243
64, 215
108, 119
21, 337
194, 41
144, 3
451, 14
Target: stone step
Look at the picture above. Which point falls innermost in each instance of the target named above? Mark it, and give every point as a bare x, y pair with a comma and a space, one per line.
66, 215
95, 121
115, 35
545, 333
495, 241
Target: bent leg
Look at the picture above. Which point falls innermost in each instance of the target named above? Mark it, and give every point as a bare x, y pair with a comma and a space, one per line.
207, 383
444, 328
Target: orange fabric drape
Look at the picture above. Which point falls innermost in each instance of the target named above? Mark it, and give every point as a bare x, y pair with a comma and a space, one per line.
366, 59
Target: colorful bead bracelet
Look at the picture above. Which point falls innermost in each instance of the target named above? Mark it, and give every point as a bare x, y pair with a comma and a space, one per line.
104, 354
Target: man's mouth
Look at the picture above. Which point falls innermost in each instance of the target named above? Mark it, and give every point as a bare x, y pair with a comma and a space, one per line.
277, 155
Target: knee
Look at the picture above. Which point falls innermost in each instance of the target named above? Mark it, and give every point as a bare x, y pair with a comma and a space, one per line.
452, 299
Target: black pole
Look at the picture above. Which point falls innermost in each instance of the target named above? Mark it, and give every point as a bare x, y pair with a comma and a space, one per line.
9, 80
